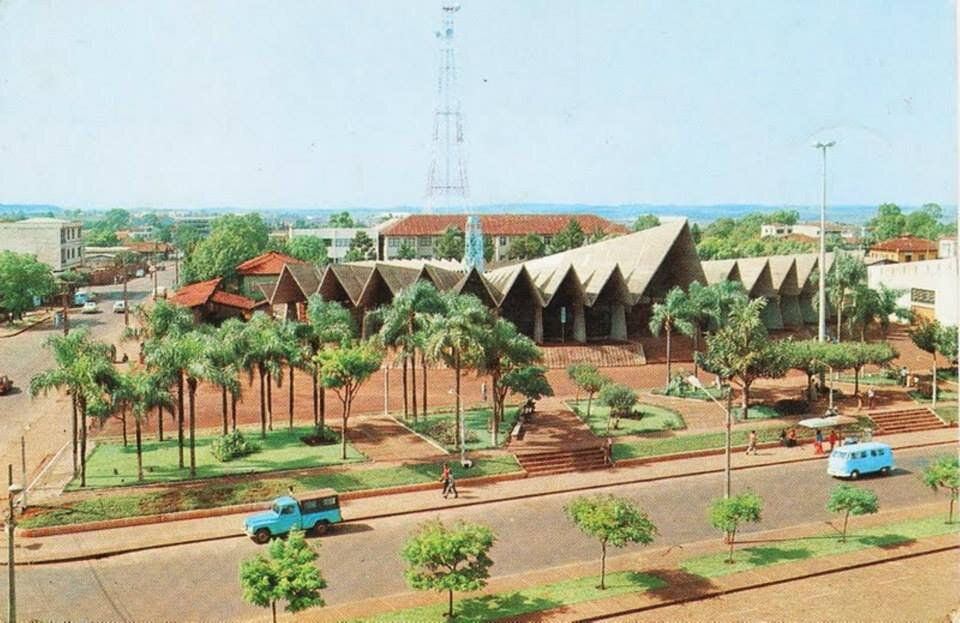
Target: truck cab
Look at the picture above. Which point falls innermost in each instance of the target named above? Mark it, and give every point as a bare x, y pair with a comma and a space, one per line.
287, 513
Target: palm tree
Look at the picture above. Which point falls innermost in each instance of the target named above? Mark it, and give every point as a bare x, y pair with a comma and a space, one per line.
165, 358
673, 313
85, 370
330, 323
195, 348
710, 305
149, 390
294, 337
888, 304
455, 339
847, 273
264, 352
393, 334
226, 354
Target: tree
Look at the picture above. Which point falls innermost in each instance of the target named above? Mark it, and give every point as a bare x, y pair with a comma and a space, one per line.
529, 381
927, 335
406, 251
344, 370
22, 279
887, 305
84, 369
342, 220
226, 353
589, 381
450, 244
726, 515
574, 370
866, 353
454, 339
944, 473
232, 240
646, 221
613, 521
330, 324
448, 559
888, 223
186, 237
265, 349
620, 400
925, 222
570, 237
526, 247
851, 500
309, 249
674, 313
287, 573
505, 350
847, 273
811, 357
149, 390
361, 248
741, 350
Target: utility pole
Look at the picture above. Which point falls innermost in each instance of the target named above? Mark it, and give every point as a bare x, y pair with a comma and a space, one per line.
822, 325
12, 491
66, 320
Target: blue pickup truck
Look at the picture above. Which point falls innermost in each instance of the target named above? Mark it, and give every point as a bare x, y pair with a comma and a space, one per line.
317, 513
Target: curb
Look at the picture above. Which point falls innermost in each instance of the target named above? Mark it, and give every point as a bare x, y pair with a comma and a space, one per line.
45, 318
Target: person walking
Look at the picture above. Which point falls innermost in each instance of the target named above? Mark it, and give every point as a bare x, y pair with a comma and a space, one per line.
452, 486
833, 438
446, 477
752, 443
818, 442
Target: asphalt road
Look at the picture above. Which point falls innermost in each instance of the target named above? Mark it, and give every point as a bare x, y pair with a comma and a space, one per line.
199, 582
45, 421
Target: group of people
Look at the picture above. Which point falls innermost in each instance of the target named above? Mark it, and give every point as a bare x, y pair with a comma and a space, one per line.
832, 439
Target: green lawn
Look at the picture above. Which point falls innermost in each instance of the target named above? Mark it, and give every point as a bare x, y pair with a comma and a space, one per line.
948, 414
476, 422
942, 395
654, 419
756, 412
655, 446
113, 464
534, 599
869, 379
947, 375
217, 493
887, 536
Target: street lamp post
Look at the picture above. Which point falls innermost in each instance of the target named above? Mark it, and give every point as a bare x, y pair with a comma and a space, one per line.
696, 382
463, 433
12, 491
822, 325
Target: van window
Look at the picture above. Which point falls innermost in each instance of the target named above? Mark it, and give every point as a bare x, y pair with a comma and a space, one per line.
309, 505
329, 502
286, 510
874, 453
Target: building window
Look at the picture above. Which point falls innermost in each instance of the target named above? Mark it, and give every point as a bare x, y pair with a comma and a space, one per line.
907, 257
393, 242
63, 256
424, 242
503, 241
923, 297
342, 242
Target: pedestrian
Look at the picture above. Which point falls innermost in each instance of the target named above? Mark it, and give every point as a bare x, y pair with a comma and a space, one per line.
903, 376
608, 451
871, 396
752, 443
483, 391
792, 438
452, 486
446, 477
818, 442
833, 438
290, 491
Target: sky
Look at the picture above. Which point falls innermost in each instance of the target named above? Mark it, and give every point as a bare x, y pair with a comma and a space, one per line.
320, 103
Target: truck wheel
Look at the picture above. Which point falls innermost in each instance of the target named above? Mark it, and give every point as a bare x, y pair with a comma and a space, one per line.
320, 527
885, 471
854, 475
261, 536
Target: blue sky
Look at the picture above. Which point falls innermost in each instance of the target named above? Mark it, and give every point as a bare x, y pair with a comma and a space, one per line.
193, 103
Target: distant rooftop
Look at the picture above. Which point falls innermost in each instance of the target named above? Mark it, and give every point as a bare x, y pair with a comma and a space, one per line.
501, 224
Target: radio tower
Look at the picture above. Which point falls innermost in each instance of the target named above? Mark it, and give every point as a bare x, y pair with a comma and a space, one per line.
447, 182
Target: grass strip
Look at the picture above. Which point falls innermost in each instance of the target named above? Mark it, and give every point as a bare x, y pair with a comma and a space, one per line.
535, 599
440, 426
215, 494
887, 536
756, 412
111, 464
948, 413
642, 448
942, 395
654, 419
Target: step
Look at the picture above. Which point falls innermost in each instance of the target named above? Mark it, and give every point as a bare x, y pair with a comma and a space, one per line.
529, 466
552, 453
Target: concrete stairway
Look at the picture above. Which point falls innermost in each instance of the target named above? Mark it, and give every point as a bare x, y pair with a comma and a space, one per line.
905, 421
562, 461
601, 355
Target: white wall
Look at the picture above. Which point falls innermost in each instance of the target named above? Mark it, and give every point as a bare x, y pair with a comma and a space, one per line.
941, 276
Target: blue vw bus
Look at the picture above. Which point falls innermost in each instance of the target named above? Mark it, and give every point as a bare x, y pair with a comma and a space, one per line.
856, 459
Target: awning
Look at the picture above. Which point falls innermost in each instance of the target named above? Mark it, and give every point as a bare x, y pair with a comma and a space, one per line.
827, 422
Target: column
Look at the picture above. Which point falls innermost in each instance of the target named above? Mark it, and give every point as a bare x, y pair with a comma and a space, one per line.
618, 322
579, 323
537, 323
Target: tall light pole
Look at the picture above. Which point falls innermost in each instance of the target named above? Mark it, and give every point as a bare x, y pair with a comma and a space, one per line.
462, 427
696, 382
12, 492
822, 326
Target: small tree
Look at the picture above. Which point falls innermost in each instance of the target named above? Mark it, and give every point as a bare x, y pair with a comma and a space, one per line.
851, 500
450, 245
406, 251
448, 559
574, 370
344, 370
675, 313
726, 515
288, 573
620, 399
613, 521
863, 353
927, 336
590, 381
944, 473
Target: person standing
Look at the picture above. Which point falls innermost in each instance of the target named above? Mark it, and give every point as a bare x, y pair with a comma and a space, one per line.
751, 443
833, 438
446, 478
871, 396
818, 442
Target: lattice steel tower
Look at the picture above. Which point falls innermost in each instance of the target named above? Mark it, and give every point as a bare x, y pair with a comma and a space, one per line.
447, 183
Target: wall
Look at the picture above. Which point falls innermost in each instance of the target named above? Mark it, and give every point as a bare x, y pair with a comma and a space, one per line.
941, 276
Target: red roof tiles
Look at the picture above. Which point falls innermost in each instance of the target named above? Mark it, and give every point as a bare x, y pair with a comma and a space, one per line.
239, 301
905, 243
270, 263
195, 294
501, 224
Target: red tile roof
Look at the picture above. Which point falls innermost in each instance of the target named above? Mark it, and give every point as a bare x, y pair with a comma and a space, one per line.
905, 243
270, 263
235, 300
195, 294
501, 224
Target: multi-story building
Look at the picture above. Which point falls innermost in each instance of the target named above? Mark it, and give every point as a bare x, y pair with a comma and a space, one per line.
420, 231
904, 249
200, 223
337, 239
56, 242
930, 287
810, 230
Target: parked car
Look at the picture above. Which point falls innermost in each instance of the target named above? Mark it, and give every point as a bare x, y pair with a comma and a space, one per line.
90, 307
856, 459
287, 513
119, 307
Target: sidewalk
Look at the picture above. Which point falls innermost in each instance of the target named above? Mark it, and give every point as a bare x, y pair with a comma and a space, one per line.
681, 586
122, 540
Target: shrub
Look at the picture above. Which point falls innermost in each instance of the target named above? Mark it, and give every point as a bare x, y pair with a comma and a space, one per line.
792, 407
445, 432
232, 446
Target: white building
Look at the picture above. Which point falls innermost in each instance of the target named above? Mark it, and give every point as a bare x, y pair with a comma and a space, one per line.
810, 229
338, 239
56, 242
947, 247
930, 287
